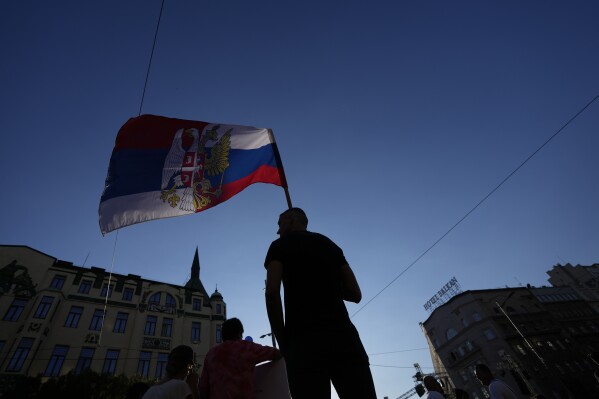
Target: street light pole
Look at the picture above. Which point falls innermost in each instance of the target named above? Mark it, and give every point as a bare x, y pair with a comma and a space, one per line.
522, 335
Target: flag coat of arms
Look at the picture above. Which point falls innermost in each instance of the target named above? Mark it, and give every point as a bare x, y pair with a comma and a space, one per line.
163, 167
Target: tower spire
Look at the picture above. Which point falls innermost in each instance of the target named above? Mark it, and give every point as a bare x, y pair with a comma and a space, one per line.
195, 266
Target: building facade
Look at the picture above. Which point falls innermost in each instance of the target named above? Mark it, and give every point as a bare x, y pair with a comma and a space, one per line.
58, 317
535, 339
583, 279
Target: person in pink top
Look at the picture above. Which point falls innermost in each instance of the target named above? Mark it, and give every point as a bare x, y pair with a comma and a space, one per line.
228, 371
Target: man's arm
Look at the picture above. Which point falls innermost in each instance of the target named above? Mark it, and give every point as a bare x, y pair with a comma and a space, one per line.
274, 306
262, 353
351, 289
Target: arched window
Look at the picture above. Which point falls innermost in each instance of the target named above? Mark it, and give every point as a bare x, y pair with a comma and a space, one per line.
450, 333
154, 299
170, 301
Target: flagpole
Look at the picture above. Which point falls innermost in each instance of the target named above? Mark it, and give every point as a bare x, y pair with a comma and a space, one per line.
275, 149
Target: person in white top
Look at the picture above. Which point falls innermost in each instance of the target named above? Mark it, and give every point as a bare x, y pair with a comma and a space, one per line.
181, 381
435, 391
497, 388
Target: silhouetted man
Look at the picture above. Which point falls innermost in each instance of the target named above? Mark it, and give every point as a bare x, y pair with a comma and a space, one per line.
317, 339
435, 391
497, 388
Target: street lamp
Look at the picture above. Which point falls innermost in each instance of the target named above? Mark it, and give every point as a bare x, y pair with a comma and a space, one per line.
274, 344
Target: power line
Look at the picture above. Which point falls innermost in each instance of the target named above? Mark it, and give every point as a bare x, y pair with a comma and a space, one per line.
398, 367
478, 204
151, 56
404, 350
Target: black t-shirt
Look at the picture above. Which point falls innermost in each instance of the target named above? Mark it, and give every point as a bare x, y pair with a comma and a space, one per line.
312, 267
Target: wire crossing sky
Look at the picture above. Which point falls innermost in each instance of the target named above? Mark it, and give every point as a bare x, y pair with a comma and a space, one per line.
390, 118
478, 204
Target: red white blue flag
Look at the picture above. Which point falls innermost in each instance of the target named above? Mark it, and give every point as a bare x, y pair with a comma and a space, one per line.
164, 167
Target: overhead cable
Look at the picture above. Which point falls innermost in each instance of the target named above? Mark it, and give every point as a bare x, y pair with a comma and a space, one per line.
479, 203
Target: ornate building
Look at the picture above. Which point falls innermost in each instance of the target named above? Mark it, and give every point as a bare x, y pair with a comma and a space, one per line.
57, 317
535, 339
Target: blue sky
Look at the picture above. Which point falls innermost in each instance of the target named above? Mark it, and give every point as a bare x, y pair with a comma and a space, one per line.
393, 120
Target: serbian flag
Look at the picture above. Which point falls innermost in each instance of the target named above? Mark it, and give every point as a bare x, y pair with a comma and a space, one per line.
164, 167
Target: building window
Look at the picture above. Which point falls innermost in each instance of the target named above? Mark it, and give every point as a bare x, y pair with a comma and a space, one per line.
18, 358
559, 343
161, 364
170, 302
15, 310
489, 334
121, 322
476, 316
56, 360
219, 337
218, 308
73, 317
143, 366
469, 346
197, 304
106, 290
97, 320
150, 325
540, 344
465, 322
43, 307
450, 333
85, 286
85, 360
112, 355
57, 282
167, 327
154, 299
521, 349
195, 330
464, 376
128, 294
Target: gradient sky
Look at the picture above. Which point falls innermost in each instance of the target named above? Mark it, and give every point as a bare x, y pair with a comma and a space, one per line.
393, 119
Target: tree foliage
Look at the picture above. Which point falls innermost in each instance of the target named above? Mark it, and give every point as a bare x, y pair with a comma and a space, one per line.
87, 385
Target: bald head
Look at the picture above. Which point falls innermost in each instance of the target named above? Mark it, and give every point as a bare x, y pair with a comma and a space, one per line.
293, 219
483, 373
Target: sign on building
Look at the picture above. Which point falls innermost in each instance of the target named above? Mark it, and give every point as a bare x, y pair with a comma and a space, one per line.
449, 290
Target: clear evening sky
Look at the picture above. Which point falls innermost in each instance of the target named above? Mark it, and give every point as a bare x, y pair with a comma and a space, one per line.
393, 119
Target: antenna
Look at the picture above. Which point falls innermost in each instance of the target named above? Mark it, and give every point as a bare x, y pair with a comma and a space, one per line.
518, 281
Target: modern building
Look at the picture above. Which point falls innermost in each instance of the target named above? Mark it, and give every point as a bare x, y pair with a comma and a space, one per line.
535, 339
58, 317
